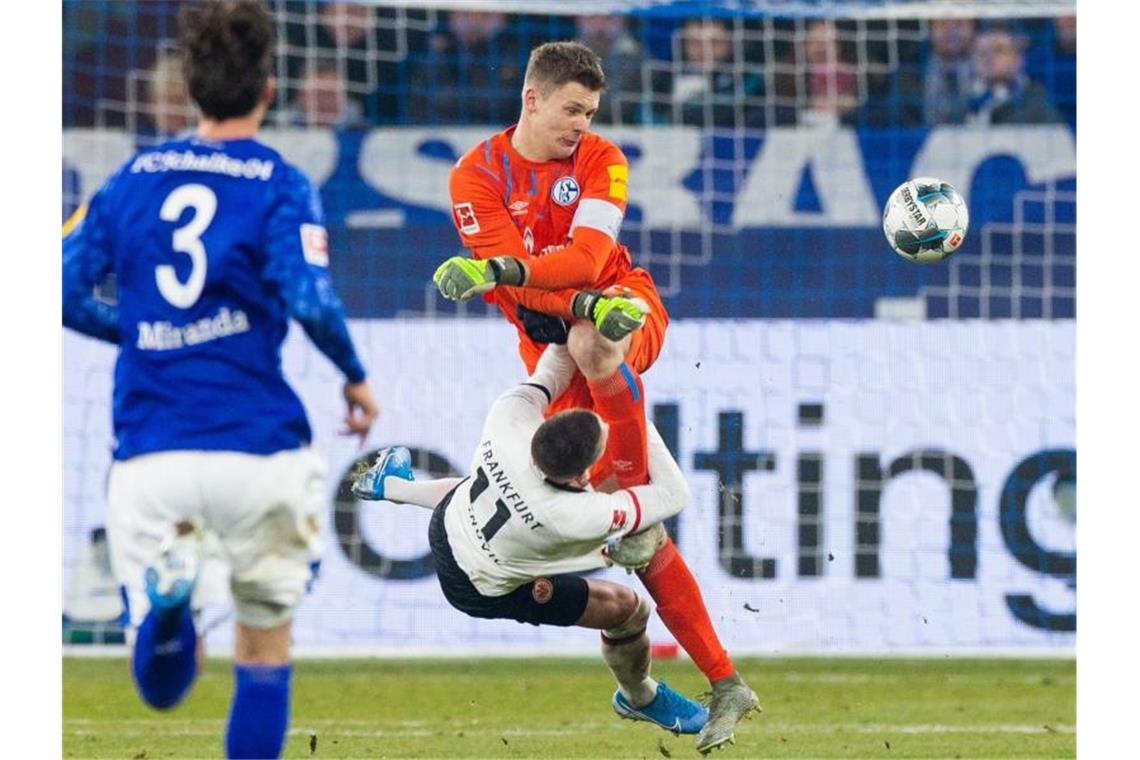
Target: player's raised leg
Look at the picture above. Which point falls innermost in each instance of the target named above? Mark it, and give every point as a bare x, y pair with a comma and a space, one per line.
167, 650
155, 554
620, 400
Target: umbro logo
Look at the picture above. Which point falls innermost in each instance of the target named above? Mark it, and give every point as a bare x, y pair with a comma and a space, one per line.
519, 207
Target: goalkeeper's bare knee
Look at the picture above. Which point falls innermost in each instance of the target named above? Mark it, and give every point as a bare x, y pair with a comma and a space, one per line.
597, 357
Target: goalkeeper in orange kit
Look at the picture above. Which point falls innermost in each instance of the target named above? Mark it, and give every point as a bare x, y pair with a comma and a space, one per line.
540, 205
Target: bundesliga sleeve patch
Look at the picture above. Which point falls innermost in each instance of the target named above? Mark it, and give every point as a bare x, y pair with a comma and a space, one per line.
465, 219
618, 521
619, 181
315, 244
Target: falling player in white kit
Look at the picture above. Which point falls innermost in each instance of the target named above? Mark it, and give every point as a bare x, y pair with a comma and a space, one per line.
507, 538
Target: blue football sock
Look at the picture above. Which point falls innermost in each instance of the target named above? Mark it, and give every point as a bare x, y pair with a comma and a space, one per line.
165, 658
259, 715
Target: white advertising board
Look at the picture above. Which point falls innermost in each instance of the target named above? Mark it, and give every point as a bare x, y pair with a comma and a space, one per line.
857, 486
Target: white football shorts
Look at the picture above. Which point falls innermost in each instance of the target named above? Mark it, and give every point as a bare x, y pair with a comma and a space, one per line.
265, 514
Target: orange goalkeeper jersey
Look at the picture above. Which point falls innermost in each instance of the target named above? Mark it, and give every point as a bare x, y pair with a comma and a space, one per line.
561, 217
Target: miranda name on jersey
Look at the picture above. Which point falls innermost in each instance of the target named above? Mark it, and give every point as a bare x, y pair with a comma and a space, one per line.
165, 336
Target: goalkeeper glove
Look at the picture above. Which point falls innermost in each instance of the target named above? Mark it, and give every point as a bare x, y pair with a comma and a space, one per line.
615, 315
460, 278
542, 328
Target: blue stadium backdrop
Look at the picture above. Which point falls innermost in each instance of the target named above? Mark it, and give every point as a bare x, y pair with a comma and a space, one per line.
882, 454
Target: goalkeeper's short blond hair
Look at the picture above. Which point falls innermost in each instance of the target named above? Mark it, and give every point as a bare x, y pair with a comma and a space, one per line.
553, 64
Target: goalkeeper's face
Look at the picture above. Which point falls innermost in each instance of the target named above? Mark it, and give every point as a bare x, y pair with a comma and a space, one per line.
559, 118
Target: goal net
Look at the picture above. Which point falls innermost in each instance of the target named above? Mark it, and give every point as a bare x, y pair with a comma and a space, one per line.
882, 454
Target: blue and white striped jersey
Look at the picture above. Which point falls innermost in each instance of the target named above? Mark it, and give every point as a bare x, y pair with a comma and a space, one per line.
213, 247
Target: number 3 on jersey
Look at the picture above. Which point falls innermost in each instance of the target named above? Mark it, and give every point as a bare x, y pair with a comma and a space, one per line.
187, 240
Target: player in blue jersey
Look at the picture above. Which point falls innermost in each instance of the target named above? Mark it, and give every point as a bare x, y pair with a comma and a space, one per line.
215, 242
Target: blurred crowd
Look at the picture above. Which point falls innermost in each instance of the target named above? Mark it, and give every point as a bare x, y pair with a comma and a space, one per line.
343, 65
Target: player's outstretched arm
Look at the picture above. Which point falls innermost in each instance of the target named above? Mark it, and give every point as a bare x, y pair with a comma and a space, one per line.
577, 265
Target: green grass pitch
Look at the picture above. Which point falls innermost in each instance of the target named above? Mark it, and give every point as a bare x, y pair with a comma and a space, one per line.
559, 708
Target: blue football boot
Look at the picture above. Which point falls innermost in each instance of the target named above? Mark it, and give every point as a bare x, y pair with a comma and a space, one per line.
392, 462
670, 710
170, 579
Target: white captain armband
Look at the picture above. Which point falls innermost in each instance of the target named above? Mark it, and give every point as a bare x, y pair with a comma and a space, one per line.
598, 215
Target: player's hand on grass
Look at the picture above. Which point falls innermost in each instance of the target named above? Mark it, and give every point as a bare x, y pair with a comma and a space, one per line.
362, 409
461, 279
615, 314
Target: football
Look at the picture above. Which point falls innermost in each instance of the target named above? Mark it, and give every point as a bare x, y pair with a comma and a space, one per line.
925, 220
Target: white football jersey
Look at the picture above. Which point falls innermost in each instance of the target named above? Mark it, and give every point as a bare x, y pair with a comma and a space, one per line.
507, 524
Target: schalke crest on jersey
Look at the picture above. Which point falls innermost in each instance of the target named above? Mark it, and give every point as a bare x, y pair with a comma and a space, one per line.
565, 191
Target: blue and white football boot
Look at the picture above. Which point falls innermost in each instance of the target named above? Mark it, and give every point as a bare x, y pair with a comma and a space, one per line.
170, 580
392, 462
670, 710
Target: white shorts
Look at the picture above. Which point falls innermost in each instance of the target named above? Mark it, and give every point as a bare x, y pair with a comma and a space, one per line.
265, 512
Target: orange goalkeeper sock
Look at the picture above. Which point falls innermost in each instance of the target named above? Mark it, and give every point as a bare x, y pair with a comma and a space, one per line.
682, 609
620, 400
